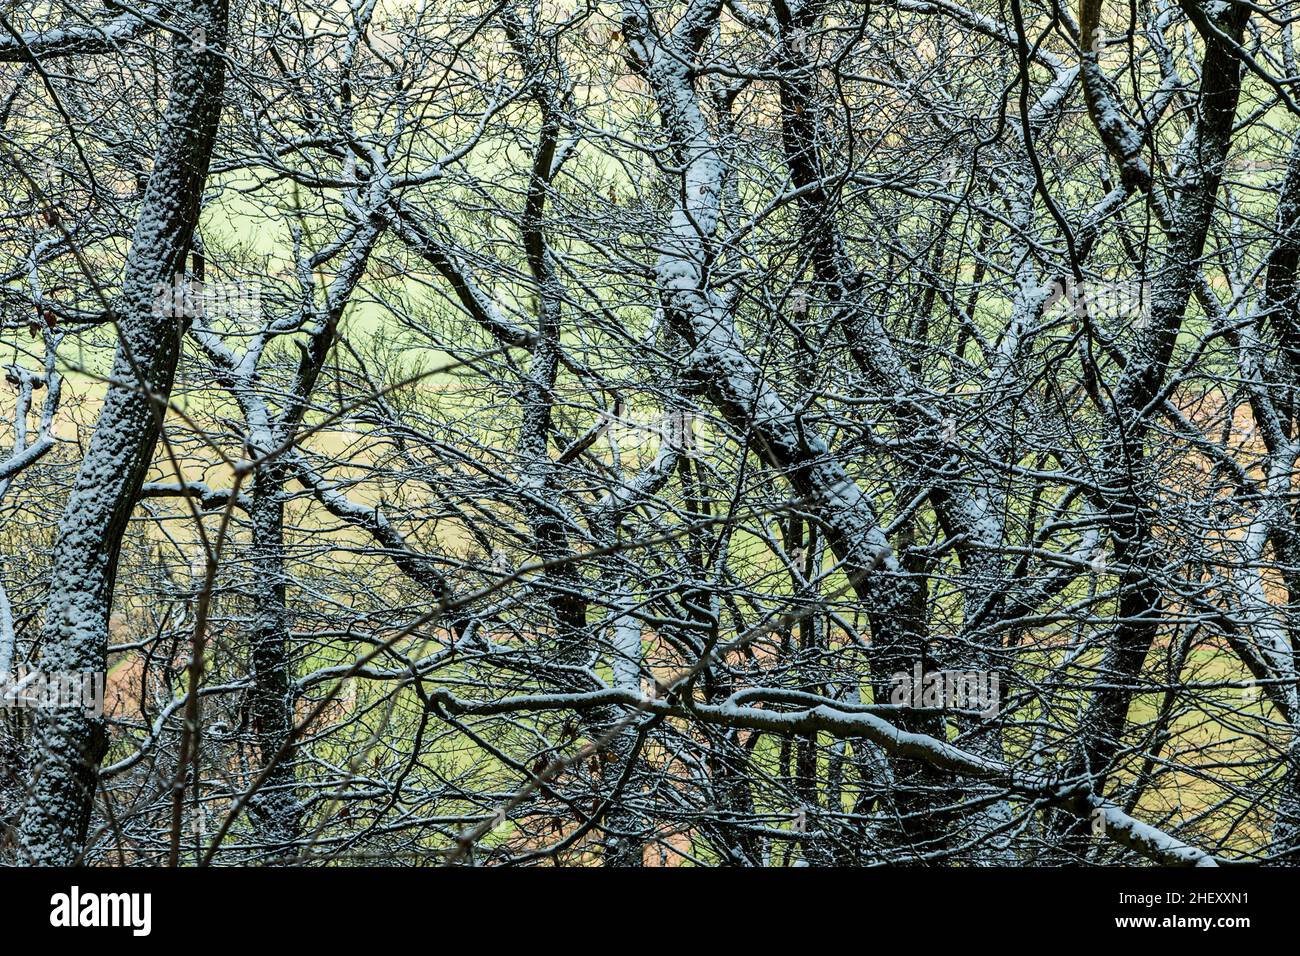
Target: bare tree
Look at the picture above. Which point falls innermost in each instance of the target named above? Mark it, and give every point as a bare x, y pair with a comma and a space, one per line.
654, 432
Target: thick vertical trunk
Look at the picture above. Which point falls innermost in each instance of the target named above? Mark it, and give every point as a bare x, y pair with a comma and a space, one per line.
1129, 488
741, 393
68, 745
274, 809
627, 824
1282, 311
542, 505
870, 346
625, 846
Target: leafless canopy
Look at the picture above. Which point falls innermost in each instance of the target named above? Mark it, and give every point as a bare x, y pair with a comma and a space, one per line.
656, 432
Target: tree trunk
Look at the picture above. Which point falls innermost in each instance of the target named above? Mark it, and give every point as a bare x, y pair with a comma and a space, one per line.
274, 808
68, 745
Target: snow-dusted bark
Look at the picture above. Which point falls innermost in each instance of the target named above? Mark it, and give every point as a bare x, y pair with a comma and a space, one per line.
275, 808
25, 452
88, 40
546, 513
718, 360
1267, 644
971, 510
418, 567
453, 599
272, 435
870, 724
1125, 494
67, 745
722, 369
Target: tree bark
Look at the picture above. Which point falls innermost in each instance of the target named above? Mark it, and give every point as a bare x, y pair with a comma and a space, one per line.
68, 745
